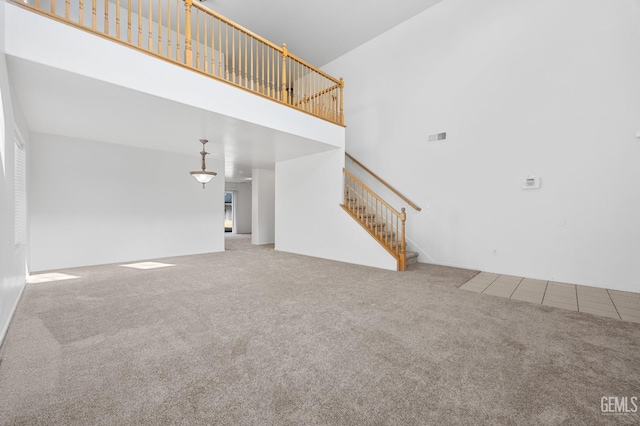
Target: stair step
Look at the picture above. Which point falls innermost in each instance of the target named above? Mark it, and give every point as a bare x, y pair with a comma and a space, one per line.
411, 257
377, 225
385, 234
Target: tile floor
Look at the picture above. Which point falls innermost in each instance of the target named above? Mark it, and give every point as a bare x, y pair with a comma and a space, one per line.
598, 301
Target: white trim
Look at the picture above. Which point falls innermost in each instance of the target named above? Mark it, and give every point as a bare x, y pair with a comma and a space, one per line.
13, 311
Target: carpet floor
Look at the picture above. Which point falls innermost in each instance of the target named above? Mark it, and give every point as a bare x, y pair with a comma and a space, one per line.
254, 336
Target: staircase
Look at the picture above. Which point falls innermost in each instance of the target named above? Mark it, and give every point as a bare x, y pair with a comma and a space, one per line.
383, 222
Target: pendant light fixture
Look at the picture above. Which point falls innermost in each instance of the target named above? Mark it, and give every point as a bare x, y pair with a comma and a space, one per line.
203, 176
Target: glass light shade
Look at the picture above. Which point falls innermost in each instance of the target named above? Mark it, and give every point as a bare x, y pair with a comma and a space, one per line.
203, 177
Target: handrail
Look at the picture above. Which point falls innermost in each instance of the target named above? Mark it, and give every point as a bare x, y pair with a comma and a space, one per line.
381, 220
237, 26
382, 181
189, 34
371, 191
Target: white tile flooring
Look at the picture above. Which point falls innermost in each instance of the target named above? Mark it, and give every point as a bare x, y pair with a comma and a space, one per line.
598, 301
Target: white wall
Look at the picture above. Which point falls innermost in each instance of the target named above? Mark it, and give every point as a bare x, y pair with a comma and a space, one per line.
309, 219
242, 206
521, 87
97, 203
13, 265
262, 206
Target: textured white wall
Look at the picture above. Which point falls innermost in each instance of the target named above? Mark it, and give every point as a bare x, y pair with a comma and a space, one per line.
309, 219
262, 206
242, 206
97, 203
521, 87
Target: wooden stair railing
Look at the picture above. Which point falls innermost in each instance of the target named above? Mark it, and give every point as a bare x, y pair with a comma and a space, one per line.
384, 182
189, 34
383, 222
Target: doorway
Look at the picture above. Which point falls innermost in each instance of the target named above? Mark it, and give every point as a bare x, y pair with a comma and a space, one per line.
229, 211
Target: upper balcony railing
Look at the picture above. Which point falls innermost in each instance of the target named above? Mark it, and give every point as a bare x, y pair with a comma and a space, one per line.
191, 35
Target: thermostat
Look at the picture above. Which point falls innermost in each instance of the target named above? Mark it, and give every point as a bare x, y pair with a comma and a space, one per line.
531, 182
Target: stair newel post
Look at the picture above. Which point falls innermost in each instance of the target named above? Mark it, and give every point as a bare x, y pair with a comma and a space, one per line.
341, 100
403, 243
284, 94
188, 54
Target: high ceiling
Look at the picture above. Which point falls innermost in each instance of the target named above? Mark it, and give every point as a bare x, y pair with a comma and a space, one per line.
319, 31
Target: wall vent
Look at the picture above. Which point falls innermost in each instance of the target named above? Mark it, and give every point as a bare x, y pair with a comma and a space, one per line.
438, 137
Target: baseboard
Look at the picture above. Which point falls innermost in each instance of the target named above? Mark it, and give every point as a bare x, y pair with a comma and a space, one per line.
3, 334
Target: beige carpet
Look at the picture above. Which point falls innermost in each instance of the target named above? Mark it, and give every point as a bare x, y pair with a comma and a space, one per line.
258, 337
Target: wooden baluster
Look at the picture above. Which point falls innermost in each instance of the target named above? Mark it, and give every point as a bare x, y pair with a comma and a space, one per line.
369, 218
277, 90
160, 50
150, 27
375, 227
106, 16
139, 23
272, 87
386, 220
253, 85
38, 4
234, 74
309, 89
188, 53
262, 69
403, 244
220, 50
67, 7
81, 12
396, 234
94, 16
268, 71
226, 51
240, 57
117, 19
275, 76
178, 56
168, 28
341, 101
206, 46
284, 94
129, 21
53, 6
213, 42
246, 64
315, 89
197, 38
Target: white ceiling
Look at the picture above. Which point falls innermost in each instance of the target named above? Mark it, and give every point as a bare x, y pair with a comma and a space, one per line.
319, 31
